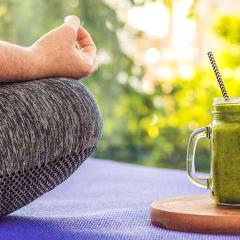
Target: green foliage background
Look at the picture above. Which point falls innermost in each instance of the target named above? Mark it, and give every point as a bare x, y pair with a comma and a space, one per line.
150, 129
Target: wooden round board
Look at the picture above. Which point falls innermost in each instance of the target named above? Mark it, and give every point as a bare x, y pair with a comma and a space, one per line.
195, 214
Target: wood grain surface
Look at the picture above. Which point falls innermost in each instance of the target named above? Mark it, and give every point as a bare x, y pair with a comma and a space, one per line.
195, 214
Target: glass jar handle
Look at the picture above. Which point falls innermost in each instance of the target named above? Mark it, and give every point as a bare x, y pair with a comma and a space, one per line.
193, 140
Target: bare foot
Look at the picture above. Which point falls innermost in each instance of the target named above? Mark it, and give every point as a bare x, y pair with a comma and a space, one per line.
66, 51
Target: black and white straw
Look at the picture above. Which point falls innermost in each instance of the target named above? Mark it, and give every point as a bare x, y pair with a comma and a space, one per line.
218, 76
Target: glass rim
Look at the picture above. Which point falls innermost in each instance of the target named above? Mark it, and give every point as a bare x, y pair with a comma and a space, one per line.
232, 100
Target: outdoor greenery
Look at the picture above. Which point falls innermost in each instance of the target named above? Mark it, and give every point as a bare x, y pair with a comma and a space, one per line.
150, 129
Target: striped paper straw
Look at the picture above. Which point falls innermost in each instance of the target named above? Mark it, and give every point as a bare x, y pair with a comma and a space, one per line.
218, 76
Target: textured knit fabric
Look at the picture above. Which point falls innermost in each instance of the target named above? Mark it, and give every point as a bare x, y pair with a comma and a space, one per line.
103, 200
48, 128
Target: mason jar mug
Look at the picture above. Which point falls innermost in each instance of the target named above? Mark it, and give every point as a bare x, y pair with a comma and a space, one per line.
224, 136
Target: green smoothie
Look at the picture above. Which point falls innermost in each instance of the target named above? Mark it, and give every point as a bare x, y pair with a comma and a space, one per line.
225, 169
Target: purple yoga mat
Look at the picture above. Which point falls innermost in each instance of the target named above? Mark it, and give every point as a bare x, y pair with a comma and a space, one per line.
103, 200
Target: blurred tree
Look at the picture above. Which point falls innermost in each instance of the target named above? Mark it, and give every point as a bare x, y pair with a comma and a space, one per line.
145, 128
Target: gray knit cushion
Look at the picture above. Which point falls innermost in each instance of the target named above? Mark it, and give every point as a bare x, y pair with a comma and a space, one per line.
48, 128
